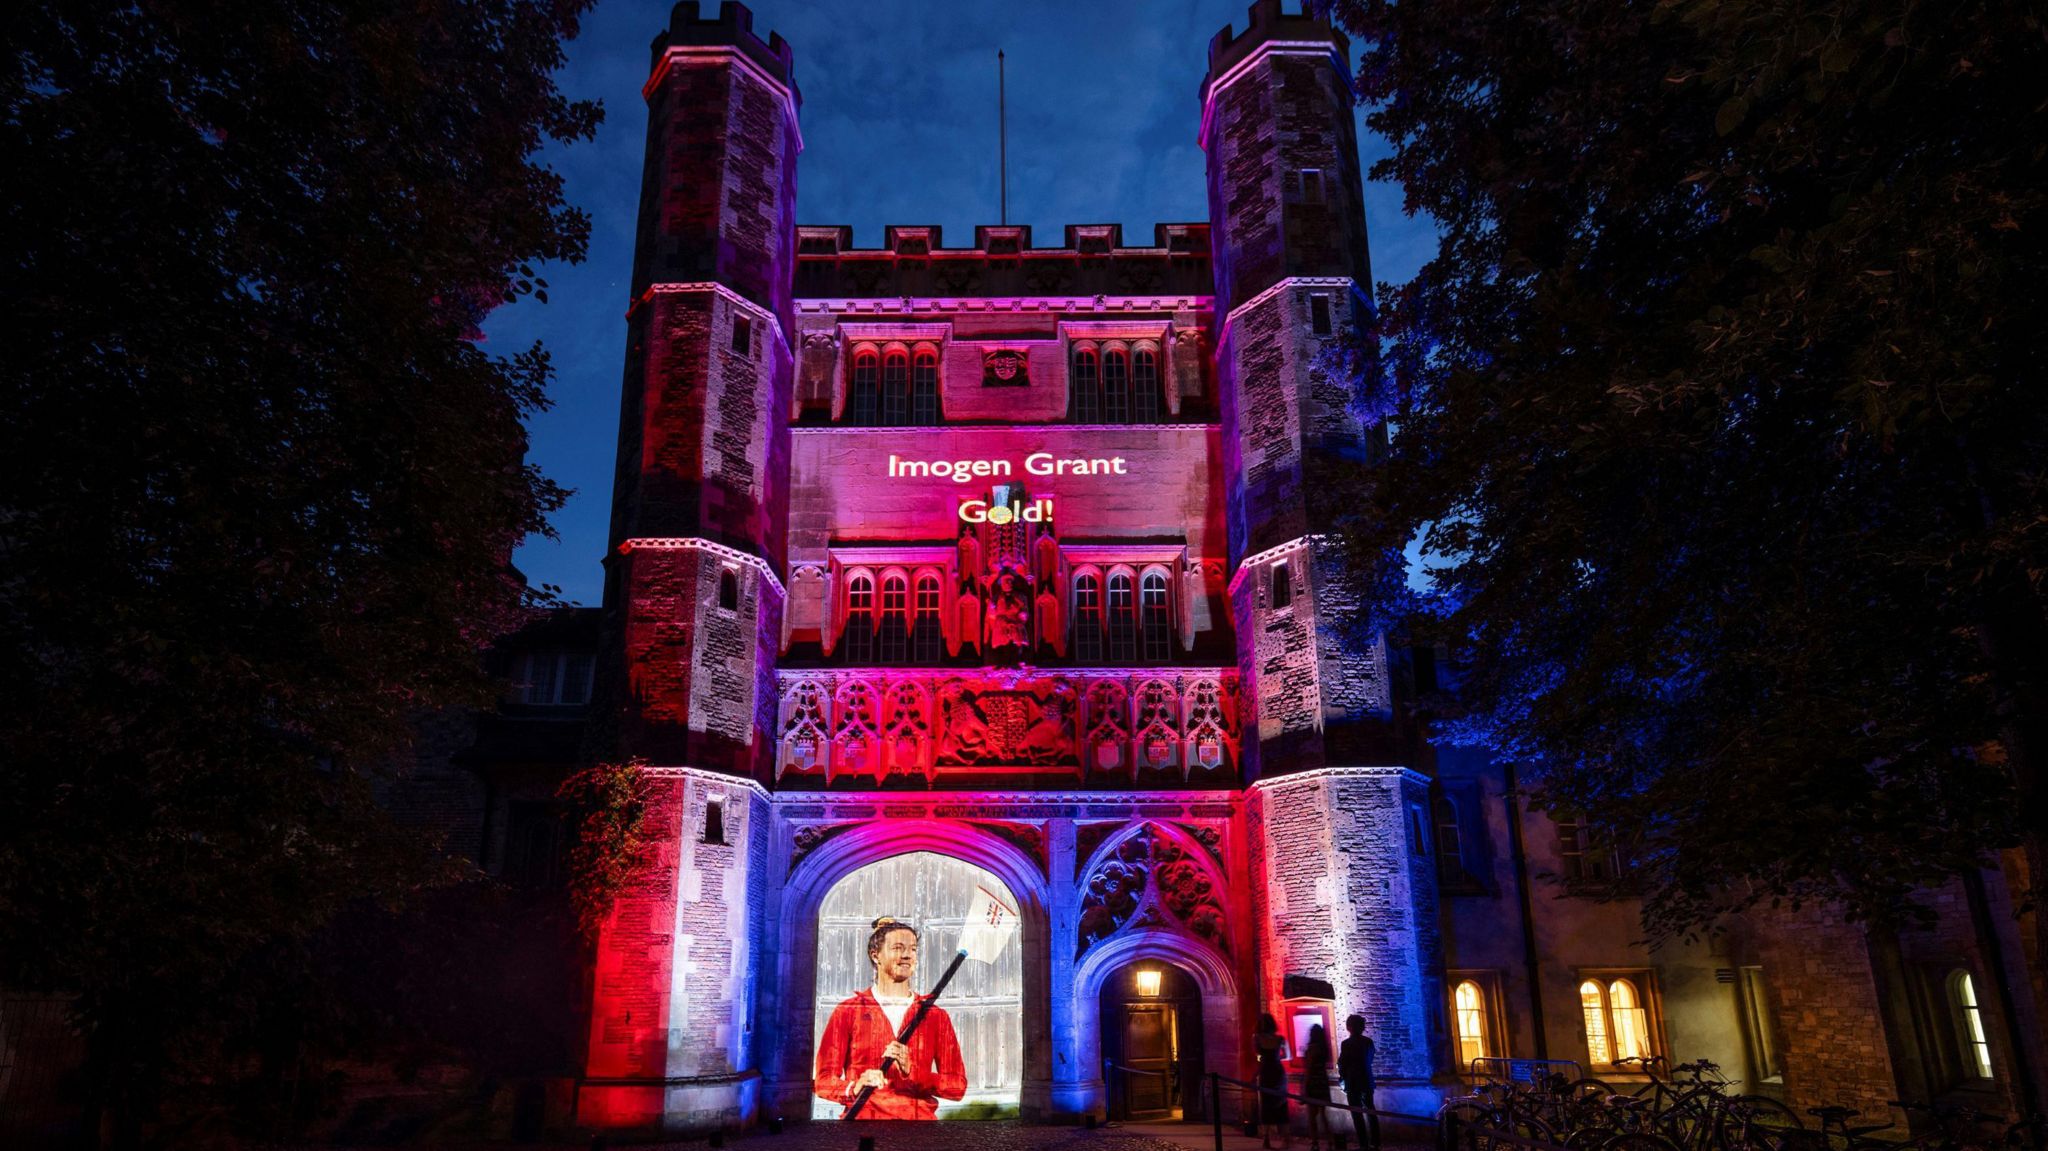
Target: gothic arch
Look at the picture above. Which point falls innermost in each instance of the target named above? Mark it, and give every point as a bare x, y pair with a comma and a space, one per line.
1177, 887
787, 998
1222, 1011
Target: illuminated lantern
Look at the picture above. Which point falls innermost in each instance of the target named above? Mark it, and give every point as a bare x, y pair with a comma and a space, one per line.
1148, 981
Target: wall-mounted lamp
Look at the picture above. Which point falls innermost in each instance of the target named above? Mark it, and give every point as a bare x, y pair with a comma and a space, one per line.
1148, 981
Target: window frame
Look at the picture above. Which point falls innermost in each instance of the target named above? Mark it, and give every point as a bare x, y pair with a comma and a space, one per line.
892, 620
895, 394
1491, 1017
1090, 635
1120, 623
1148, 401
1280, 585
1643, 981
864, 387
924, 387
560, 662
1155, 621
1116, 384
1975, 1065
1322, 314
1085, 386
1764, 1043
1584, 848
927, 620
857, 626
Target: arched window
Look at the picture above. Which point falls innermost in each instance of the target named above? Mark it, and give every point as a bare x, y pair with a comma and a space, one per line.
862, 399
1631, 1020
927, 635
1283, 585
892, 630
1468, 1018
1087, 618
1450, 862
729, 590
924, 388
1969, 1021
1145, 397
1087, 387
1123, 620
1116, 387
1448, 850
1617, 1020
1155, 622
858, 640
895, 389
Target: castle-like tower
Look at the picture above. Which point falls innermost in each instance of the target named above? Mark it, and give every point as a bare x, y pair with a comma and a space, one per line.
997, 561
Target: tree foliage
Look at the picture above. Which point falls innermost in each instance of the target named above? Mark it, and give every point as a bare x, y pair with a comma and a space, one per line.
607, 805
259, 484
1720, 413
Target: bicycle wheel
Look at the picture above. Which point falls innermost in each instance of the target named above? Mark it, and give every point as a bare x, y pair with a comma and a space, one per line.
1757, 1123
1639, 1141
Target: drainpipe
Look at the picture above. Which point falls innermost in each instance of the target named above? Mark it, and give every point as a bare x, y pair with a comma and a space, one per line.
1529, 964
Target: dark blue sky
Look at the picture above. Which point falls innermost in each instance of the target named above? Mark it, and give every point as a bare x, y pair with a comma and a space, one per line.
899, 126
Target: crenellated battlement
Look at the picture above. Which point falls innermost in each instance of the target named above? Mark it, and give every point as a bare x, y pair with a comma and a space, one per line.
1268, 22
922, 241
1091, 259
732, 27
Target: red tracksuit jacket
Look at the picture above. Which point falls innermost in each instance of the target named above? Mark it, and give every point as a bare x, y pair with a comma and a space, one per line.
853, 1042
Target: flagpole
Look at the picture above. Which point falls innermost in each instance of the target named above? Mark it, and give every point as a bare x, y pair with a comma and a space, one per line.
1002, 141
924, 1007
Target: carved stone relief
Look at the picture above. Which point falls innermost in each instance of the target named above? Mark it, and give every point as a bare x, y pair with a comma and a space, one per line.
1145, 878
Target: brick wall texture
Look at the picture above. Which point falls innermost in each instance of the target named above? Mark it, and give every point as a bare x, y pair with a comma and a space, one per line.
1342, 897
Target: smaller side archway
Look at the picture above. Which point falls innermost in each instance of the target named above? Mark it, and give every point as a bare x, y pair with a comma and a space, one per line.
1221, 1013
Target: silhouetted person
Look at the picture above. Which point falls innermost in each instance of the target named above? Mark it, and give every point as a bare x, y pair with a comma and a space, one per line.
1354, 1067
1273, 1078
1315, 1060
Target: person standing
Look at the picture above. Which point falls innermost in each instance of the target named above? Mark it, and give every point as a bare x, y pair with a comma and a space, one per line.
1272, 1079
1316, 1084
864, 1031
1354, 1067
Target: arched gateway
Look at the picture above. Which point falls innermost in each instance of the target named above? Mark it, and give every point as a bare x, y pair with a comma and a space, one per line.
982, 1007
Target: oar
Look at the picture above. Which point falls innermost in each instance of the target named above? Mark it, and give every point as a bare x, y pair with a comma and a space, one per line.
924, 1007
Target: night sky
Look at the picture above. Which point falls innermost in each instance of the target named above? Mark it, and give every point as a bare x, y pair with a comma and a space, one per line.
899, 127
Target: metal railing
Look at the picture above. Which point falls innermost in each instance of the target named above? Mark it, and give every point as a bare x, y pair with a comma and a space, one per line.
1362, 1114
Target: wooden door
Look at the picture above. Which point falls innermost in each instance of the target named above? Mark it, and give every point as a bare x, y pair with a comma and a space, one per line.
1149, 1053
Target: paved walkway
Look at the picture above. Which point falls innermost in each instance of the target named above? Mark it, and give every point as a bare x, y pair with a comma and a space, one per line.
992, 1136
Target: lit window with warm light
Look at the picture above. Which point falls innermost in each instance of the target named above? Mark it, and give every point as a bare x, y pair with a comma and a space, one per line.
1969, 1018
1148, 981
1468, 1013
1617, 1016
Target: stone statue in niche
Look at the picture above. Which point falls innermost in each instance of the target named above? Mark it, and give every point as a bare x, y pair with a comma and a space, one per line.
1009, 618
